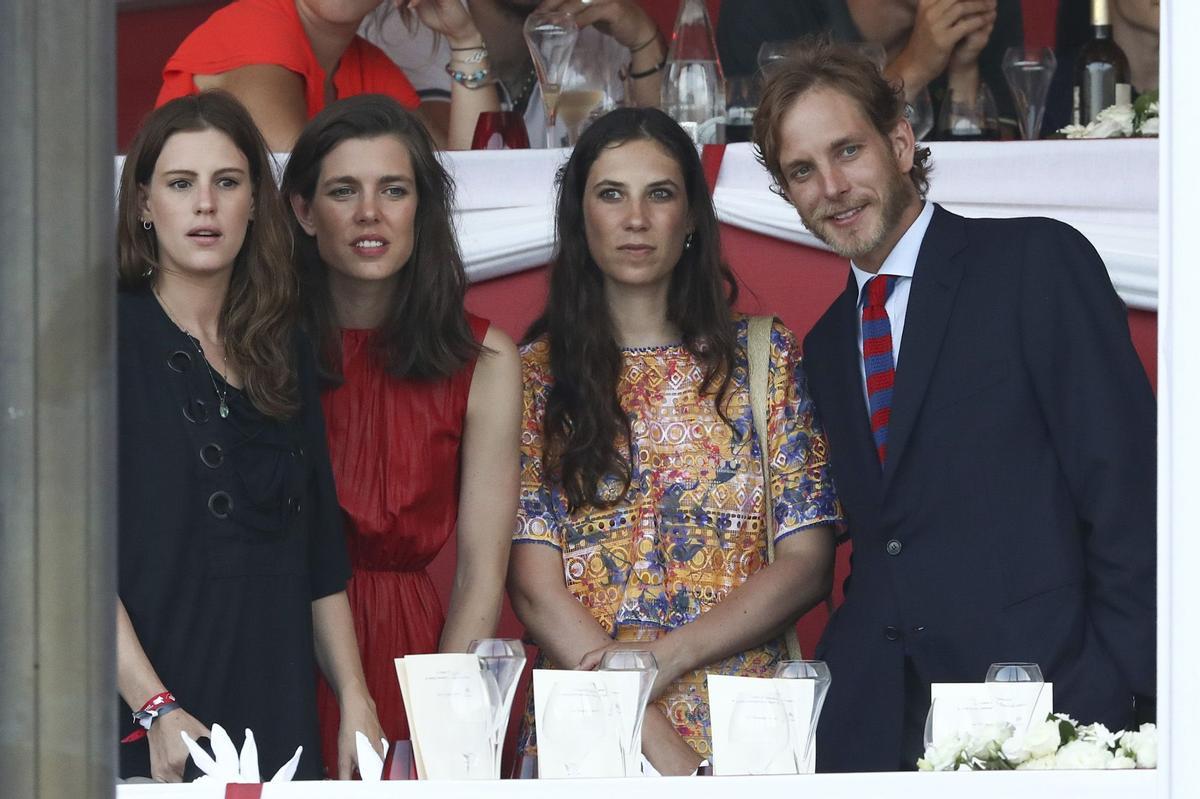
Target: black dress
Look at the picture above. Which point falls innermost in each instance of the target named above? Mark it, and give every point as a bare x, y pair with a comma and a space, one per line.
229, 529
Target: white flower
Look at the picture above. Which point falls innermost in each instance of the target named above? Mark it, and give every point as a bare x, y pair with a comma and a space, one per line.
964, 767
1098, 733
1121, 761
1038, 764
1083, 755
1015, 750
1142, 746
942, 755
1042, 739
1149, 126
1074, 131
1116, 120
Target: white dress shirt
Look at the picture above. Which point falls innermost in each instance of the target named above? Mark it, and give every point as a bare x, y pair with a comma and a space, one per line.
901, 262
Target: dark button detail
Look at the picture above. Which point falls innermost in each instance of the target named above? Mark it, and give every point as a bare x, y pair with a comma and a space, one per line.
294, 504
894, 547
195, 411
220, 504
919, 628
180, 361
891, 633
212, 456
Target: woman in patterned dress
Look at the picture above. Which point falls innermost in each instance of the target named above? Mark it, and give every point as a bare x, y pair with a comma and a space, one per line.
640, 467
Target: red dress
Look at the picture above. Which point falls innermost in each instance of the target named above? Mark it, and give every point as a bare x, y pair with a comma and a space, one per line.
394, 446
269, 32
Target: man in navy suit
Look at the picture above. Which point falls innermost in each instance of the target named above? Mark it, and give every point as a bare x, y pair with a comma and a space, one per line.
991, 431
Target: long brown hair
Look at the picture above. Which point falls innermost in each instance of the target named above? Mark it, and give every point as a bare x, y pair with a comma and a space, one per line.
586, 432
257, 319
425, 333
820, 63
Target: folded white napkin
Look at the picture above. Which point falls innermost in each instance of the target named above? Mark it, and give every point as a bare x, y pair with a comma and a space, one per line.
370, 764
228, 766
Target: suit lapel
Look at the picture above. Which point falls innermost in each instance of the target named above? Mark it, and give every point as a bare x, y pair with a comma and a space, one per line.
930, 301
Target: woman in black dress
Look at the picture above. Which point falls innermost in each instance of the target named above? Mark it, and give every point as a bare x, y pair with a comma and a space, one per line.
232, 563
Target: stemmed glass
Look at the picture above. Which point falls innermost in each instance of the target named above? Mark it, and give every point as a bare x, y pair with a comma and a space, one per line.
1001, 674
551, 37
588, 87
919, 113
1028, 71
503, 660
770, 54
818, 672
642, 661
580, 723
467, 730
759, 727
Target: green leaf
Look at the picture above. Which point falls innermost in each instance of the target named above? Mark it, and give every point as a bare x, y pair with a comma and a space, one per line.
1066, 733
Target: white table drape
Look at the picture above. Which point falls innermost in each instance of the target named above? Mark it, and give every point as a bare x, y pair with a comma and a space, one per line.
1107, 189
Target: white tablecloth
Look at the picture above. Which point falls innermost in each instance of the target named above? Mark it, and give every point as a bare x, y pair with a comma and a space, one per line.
1106, 189
946, 785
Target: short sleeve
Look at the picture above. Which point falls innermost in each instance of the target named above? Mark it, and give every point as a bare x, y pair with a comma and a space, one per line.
537, 512
420, 54
801, 483
328, 561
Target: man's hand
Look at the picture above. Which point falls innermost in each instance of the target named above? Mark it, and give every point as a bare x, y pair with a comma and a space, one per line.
168, 753
966, 53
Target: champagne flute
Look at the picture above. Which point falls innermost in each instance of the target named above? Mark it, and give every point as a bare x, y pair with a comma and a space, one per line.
504, 660
643, 662
1028, 71
551, 37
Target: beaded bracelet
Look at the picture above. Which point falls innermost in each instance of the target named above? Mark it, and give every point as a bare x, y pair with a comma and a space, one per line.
469, 80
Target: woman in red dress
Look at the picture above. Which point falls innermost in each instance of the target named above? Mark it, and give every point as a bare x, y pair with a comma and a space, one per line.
422, 400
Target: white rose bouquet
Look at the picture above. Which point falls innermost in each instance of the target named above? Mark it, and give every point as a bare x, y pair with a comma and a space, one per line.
1116, 121
1059, 742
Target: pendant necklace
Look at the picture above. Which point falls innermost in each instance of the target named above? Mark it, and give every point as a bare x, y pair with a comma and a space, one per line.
222, 395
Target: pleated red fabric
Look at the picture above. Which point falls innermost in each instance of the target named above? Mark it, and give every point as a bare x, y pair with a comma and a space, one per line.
394, 446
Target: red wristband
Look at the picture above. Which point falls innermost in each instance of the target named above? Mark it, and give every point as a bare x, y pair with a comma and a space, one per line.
148, 712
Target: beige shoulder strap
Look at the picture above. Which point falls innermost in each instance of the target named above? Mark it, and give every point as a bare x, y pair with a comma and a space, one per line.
758, 356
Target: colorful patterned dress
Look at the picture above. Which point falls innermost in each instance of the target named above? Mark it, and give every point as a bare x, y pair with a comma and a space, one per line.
690, 529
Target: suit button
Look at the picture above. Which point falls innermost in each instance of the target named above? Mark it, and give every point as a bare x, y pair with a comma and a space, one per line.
891, 633
294, 504
894, 547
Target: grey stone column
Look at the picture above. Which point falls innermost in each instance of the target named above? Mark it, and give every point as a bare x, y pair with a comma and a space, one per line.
57, 399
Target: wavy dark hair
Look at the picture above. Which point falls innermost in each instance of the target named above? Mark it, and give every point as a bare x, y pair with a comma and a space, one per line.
818, 62
425, 333
257, 322
586, 431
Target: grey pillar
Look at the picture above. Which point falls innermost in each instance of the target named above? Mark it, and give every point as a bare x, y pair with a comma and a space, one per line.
57, 399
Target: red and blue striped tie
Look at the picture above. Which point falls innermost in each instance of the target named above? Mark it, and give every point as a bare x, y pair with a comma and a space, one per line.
877, 357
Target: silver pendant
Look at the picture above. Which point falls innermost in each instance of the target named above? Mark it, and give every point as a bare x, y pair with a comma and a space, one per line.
223, 409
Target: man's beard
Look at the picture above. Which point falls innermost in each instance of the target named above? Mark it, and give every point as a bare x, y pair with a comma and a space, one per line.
893, 200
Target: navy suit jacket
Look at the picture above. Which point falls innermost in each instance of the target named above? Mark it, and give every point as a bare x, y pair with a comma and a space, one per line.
1014, 519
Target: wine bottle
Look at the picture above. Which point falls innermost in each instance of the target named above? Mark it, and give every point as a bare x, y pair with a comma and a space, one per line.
693, 87
1101, 71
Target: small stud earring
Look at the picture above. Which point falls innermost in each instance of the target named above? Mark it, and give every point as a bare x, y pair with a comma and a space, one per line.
147, 224
687, 241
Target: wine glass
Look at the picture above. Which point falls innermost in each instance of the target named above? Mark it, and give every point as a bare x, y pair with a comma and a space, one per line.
759, 729
1023, 702
503, 660
771, 54
551, 37
642, 661
578, 720
919, 113
818, 672
970, 118
1028, 71
465, 734
589, 86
